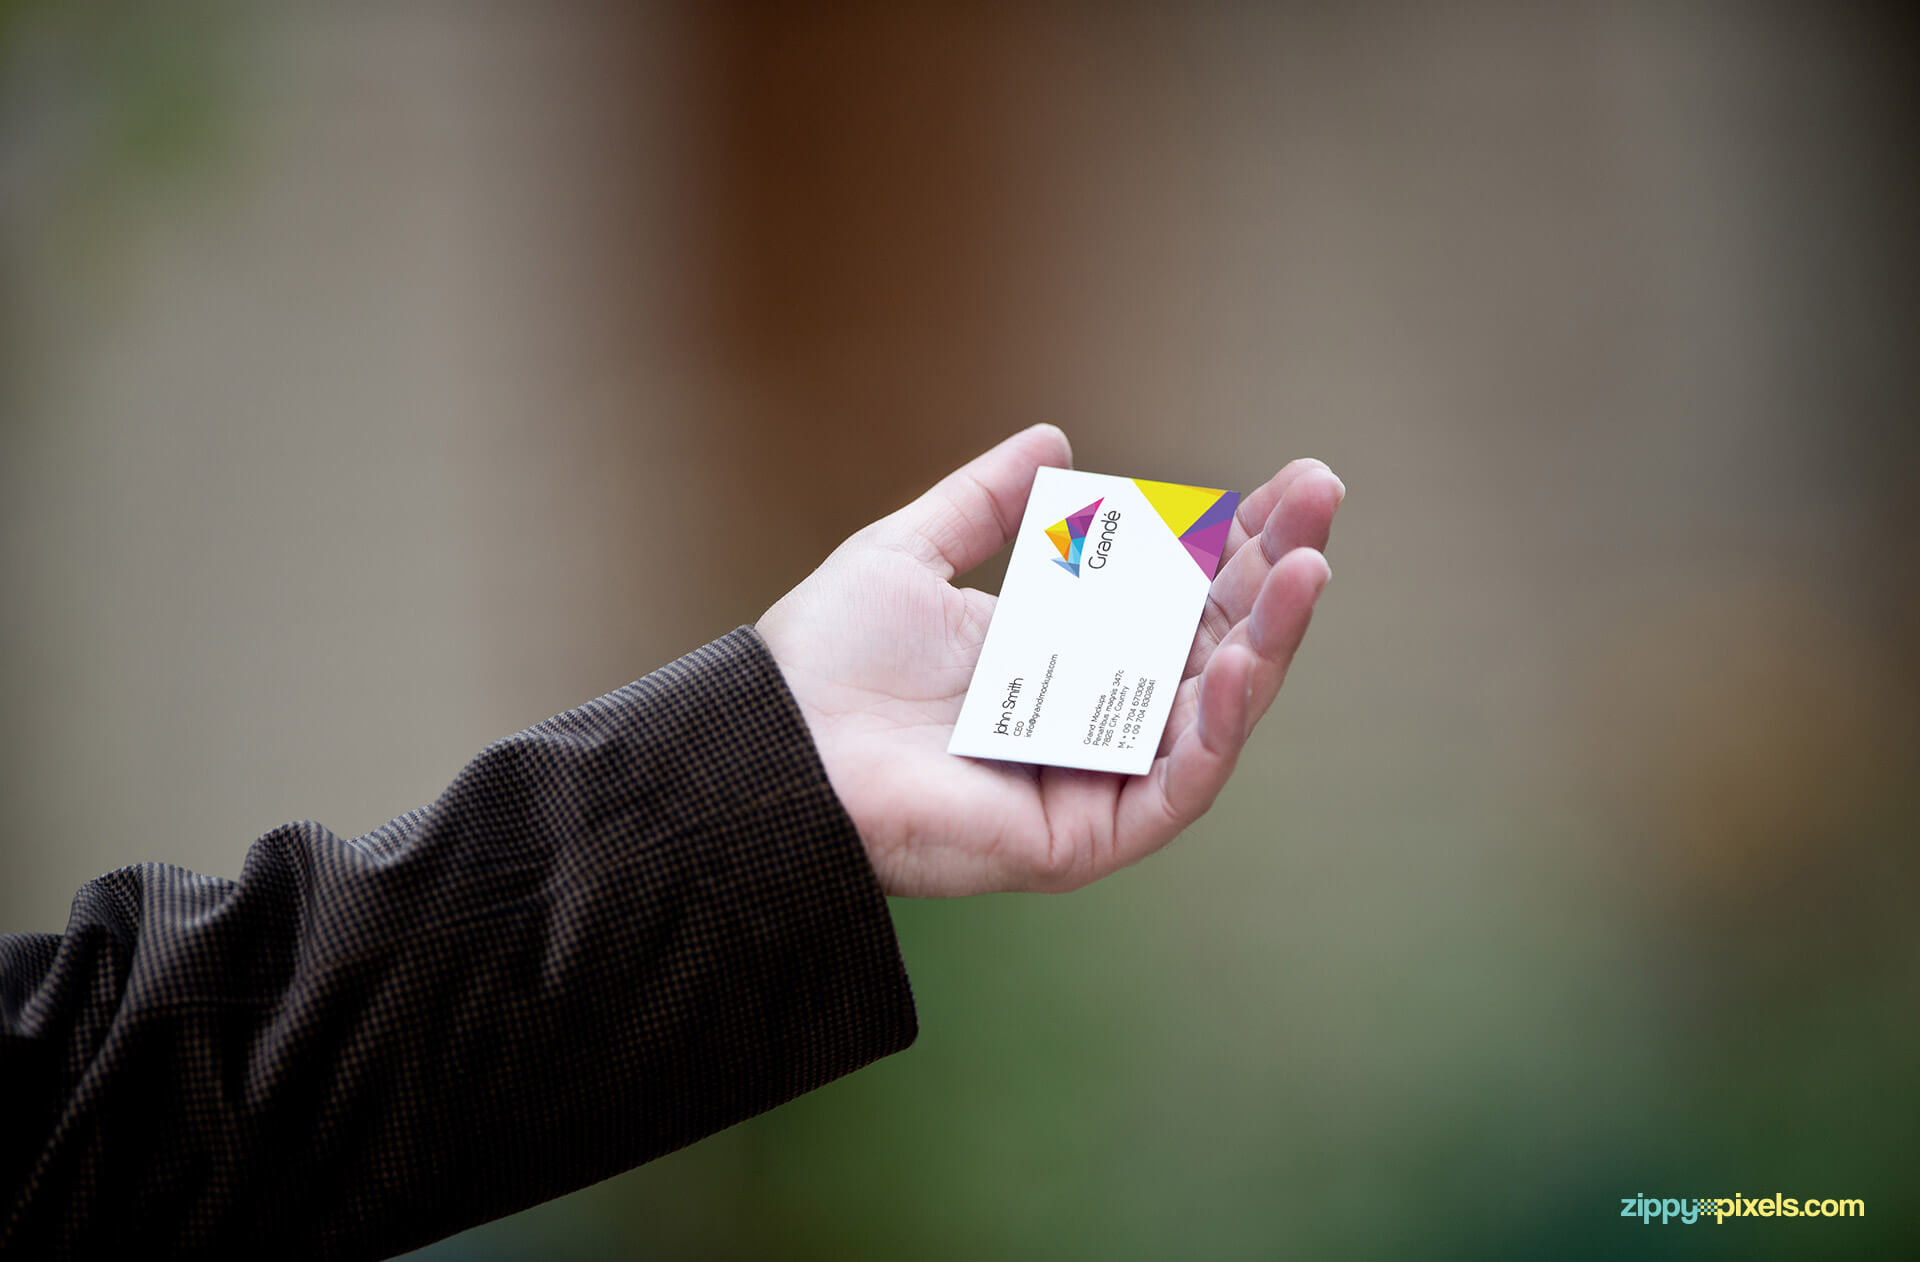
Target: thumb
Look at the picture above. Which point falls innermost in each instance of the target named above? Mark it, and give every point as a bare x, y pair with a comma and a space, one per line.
970, 514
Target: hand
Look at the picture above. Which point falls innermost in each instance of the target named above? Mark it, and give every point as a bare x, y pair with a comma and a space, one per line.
878, 646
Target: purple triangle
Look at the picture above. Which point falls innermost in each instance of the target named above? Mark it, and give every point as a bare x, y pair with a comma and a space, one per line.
1078, 523
1222, 510
1206, 545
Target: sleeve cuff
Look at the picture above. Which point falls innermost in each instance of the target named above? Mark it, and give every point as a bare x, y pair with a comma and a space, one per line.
792, 973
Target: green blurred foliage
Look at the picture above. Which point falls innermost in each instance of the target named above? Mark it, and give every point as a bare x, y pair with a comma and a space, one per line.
147, 85
109, 112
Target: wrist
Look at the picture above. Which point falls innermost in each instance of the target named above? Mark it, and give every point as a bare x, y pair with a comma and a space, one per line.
825, 735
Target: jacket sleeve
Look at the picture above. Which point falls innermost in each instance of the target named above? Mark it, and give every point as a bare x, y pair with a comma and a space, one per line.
620, 930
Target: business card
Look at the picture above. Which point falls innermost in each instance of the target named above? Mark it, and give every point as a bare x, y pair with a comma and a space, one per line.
1095, 620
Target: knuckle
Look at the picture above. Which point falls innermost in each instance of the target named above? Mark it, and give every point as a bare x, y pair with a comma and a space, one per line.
1058, 867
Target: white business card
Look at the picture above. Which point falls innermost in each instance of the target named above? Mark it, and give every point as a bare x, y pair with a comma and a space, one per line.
1095, 620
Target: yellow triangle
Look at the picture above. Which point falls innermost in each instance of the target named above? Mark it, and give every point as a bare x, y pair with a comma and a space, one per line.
1062, 538
1178, 506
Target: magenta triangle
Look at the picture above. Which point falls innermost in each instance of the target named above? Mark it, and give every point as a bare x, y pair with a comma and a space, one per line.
1205, 545
1213, 538
1078, 523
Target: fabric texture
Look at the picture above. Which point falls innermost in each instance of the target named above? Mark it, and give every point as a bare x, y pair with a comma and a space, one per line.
620, 930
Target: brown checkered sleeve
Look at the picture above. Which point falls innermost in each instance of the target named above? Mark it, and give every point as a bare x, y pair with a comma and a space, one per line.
620, 930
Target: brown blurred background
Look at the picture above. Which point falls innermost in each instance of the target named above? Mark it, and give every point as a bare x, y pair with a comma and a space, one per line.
378, 379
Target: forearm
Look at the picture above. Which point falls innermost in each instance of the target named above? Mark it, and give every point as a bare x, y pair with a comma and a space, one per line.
618, 931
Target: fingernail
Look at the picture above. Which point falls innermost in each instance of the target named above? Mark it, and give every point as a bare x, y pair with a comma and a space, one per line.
1341, 493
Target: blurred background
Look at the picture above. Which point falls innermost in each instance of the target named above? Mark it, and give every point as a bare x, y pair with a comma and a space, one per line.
378, 379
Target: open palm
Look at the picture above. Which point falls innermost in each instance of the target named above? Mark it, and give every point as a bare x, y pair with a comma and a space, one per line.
878, 647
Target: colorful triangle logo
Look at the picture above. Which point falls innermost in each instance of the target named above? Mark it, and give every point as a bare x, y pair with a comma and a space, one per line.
1198, 516
1069, 535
